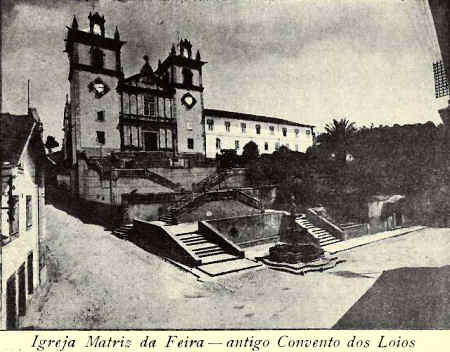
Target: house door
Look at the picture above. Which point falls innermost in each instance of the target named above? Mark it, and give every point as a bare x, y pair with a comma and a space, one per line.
11, 314
22, 292
151, 141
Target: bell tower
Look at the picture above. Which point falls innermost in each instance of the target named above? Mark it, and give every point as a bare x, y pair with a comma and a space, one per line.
94, 72
183, 72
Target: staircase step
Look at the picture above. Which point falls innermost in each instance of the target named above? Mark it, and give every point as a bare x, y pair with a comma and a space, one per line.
188, 235
211, 253
325, 235
212, 248
196, 241
206, 245
319, 233
325, 245
329, 241
229, 266
218, 258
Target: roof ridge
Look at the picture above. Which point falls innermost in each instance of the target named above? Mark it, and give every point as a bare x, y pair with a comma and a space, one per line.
262, 118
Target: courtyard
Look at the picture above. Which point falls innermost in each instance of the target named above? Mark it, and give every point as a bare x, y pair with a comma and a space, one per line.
98, 281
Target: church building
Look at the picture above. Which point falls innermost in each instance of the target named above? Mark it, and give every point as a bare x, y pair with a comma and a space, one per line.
156, 115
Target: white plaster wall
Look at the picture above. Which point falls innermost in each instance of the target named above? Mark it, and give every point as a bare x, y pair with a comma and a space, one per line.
15, 253
300, 142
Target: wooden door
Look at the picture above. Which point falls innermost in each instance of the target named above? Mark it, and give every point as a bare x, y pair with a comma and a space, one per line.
151, 141
11, 308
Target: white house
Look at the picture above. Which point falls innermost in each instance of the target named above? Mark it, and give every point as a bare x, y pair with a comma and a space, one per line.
22, 226
233, 130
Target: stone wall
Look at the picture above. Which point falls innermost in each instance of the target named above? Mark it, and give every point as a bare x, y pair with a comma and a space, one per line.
251, 229
147, 206
185, 177
216, 210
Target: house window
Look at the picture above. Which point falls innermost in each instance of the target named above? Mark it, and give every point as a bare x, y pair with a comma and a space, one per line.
236, 145
14, 216
277, 146
126, 103
266, 146
190, 143
296, 132
101, 115
210, 125
189, 126
308, 132
272, 129
126, 135
227, 126
218, 147
169, 139
146, 105
296, 147
134, 137
101, 137
243, 127
258, 129
150, 102
162, 139
133, 104
29, 212
284, 131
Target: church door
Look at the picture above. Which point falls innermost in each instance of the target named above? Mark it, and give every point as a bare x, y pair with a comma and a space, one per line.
151, 141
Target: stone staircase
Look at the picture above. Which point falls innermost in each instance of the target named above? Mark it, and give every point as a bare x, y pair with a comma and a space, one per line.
325, 238
123, 232
148, 174
197, 199
215, 259
209, 182
206, 250
171, 216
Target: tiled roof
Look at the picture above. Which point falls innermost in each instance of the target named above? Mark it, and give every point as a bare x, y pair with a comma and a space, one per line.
242, 116
14, 133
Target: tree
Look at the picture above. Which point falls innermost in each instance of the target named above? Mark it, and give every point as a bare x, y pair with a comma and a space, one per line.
250, 152
337, 136
51, 143
228, 159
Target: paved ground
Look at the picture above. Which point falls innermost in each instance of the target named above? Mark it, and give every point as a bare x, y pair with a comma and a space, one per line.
99, 281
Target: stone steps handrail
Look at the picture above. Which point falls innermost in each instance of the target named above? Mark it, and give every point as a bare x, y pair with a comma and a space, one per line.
335, 230
247, 199
146, 173
197, 199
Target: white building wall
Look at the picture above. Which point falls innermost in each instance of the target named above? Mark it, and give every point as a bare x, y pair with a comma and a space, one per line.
15, 252
296, 142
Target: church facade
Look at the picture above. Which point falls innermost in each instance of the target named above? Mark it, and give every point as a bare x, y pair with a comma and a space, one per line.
159, 110
150, 131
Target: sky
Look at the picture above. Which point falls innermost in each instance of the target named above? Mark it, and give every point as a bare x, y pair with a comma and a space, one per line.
369, 61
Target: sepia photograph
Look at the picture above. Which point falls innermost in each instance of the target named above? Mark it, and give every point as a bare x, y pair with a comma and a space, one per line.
225, 164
